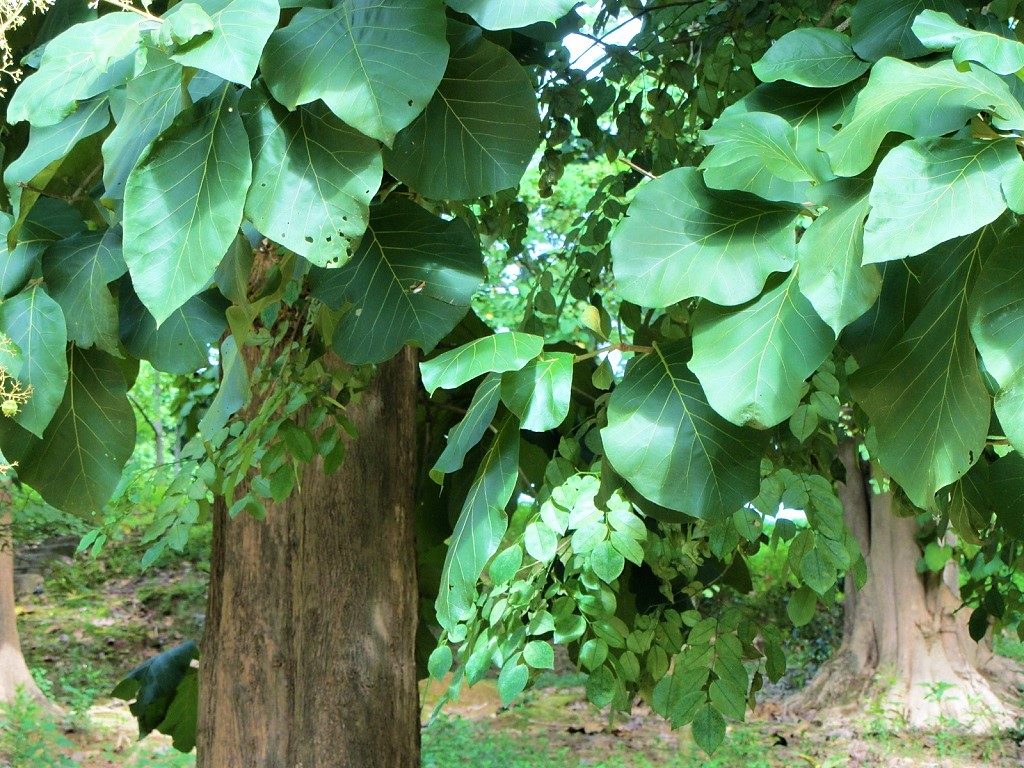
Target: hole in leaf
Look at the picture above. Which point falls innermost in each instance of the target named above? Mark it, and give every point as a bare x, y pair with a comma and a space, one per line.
308, 239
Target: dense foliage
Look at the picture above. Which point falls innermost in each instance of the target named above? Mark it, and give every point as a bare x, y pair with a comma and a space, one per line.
232, 181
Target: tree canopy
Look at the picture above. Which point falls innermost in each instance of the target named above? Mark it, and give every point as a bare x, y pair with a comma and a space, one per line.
837, 255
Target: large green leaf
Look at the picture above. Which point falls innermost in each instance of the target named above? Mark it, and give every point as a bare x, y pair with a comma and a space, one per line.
940, 32
35, 323
410, 281
314, 175
498, 353
682, 240
78, 273
374, 63
480, 527
232, 49
479, 132
877, 330
753, 152
925, 396
997, 325
884, 27
183, 203
509, 14
47, 147
182, 342
818, 58
1007, 475
932, 190
77, 464
753, 361
468, 432
152, 100
82, 62
920, 101
539, 392
831, 252
671, 445
45, 222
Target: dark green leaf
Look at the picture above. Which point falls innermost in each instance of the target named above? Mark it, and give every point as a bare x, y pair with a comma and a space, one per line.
708, 729
884, 27
182, 342
468, 432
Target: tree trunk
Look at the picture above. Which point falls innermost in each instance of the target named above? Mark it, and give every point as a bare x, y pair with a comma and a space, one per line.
904, 641
14, 672
308, 657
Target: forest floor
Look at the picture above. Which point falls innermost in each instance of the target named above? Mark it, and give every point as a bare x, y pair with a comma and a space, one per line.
88, 626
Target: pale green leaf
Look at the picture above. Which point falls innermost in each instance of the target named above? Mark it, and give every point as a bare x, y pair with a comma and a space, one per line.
478, 133
815, 57
77, 465
82, 62
498, 353
940, 32
932, 190
183, 203
410, 281
510, 14
925, 395
753, 361
314, 175
440, 662
708, 729
78, 272
539, 654
480, 527
232, 392
682, 240
884, 27
539, 393
152, 99
468, 432
673, 447
607, 562
831, 254
512, 681
374, 63
540, 542
920, 101
240, 29
801, 606
35, 323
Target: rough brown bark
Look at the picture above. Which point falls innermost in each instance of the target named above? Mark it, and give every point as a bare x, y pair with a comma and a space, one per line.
308, 659
14, 674
903, 638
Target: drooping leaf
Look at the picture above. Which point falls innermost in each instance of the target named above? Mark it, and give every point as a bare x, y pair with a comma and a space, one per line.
232, 393
1007, 476
232, 49
510, 14
682, 239
183, 203
478, 133
78, 272
410, 281
60, 16
468, 432
708, 729
831, 254
884, 27
925, 395
752, 152
35, 323
163, 694
920, 101
932, 190
182, 342
753, 361
940, 32
539, 392
153, 98
314, 176
375, 64
82, 62
47, 147
480, 527
182, 23
77, 464
498, 353
815, 57
672, 446
877, 330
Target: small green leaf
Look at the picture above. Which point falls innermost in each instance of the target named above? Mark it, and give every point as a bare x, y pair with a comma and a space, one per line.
936, 556
440, 662
512, 681
539, 654
540, 541
801, 606
539, 393
498, 353
815, 57
607, 562
708, 729
506, 564
601, 687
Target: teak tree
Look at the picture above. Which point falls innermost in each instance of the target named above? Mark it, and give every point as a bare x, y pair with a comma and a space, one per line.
307, 187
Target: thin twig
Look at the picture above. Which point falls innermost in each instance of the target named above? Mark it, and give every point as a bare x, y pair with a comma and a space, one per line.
636, 167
